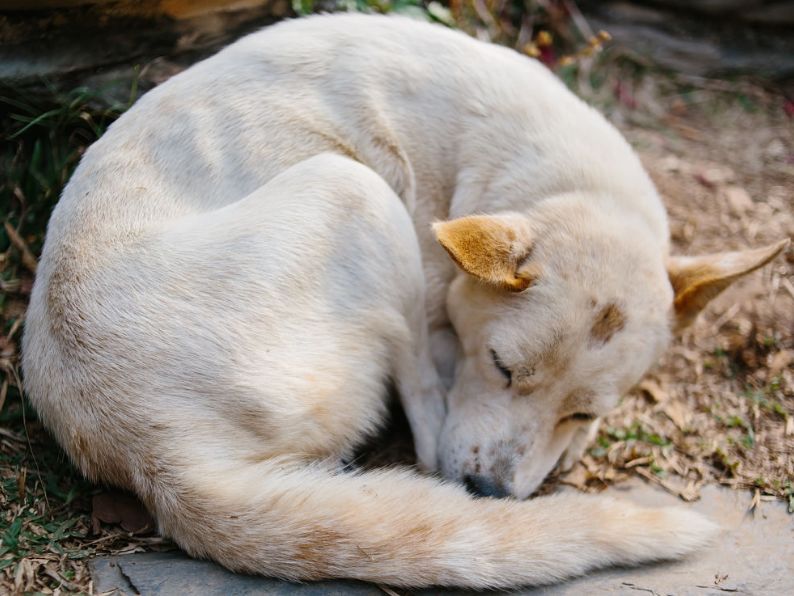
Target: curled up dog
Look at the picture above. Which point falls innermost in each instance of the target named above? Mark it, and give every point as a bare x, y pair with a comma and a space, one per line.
247, 256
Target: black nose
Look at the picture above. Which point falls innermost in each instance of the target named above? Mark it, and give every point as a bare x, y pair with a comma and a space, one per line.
480, 486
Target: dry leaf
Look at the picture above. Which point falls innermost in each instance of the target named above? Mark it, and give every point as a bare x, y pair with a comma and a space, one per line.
738, 199
654, 391
679, 413
714, 176
779, 361
577, 477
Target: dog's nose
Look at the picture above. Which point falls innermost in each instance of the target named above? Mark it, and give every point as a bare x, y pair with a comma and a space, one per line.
480, 486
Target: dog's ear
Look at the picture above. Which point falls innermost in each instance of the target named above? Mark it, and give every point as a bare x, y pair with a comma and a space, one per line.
492, 248
696, 280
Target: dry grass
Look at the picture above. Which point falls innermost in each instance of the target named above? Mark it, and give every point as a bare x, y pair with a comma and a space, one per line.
720, 405
46, 529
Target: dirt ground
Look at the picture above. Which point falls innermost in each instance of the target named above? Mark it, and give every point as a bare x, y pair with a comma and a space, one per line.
720, 405
718, 408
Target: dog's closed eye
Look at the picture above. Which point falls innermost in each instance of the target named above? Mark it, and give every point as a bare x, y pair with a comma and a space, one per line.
578, 417
506, 372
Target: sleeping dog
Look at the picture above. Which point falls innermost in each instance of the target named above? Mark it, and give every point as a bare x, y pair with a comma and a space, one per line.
240, 264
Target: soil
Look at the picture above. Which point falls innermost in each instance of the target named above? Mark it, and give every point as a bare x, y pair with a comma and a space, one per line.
719, 407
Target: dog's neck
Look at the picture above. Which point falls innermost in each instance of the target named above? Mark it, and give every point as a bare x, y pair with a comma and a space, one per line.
526, 185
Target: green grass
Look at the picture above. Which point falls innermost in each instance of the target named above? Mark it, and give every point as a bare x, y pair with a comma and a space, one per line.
635, 432
764, 399
45, 525
45, 139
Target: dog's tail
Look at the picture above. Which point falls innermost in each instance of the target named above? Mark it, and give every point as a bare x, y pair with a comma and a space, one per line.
397, 528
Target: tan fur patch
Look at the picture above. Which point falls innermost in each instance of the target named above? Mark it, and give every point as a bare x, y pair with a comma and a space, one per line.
697, 280
390, 147
338, 146
67, 322
490, 249
316, 551
579, 401
694, 288
609, 321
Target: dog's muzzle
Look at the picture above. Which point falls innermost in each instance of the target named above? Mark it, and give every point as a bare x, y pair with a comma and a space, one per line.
480, 486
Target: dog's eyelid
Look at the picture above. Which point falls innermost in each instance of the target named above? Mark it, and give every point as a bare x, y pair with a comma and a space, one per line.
578, 417
506, 372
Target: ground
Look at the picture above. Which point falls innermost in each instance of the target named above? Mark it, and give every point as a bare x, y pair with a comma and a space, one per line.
719, 408
753, 556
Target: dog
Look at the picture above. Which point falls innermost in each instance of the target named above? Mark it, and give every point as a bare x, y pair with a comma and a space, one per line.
239, 265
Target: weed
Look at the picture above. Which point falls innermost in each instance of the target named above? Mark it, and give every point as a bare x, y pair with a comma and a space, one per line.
636, 432
44, 524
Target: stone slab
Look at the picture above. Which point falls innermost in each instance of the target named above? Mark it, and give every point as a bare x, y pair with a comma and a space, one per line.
754, 555
174, 574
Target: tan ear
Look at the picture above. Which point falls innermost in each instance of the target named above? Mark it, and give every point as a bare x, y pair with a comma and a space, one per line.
492, 248
696, 280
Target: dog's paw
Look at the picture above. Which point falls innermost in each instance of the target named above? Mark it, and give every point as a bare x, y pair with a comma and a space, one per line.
428, 431
426, 445
427, 454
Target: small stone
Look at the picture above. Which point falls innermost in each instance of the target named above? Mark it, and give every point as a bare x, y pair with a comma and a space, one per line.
738, 199
776, 149
670, 163
714, 176
779, 361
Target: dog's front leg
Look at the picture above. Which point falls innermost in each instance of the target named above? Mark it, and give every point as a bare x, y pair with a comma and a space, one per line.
422, 397
445, 349
583, 437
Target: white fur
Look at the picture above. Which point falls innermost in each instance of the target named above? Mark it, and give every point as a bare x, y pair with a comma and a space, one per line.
220, 301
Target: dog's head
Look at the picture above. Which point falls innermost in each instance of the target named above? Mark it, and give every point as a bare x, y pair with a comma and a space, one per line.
559, 313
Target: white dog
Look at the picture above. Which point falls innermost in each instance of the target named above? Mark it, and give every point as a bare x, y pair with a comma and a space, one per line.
232, 275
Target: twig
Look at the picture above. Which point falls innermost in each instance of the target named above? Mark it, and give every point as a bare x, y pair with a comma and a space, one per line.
3, 394
719, 85
665, 485
789, 287
64, 583
27, 436
28, 260
725, 317
485, 15
14, 328
5, 432
640, 589
578, 19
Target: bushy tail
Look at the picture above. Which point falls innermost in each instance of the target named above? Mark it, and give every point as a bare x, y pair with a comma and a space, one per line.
397, 528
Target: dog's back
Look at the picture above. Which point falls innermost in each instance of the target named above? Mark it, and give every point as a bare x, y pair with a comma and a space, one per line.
412, 101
